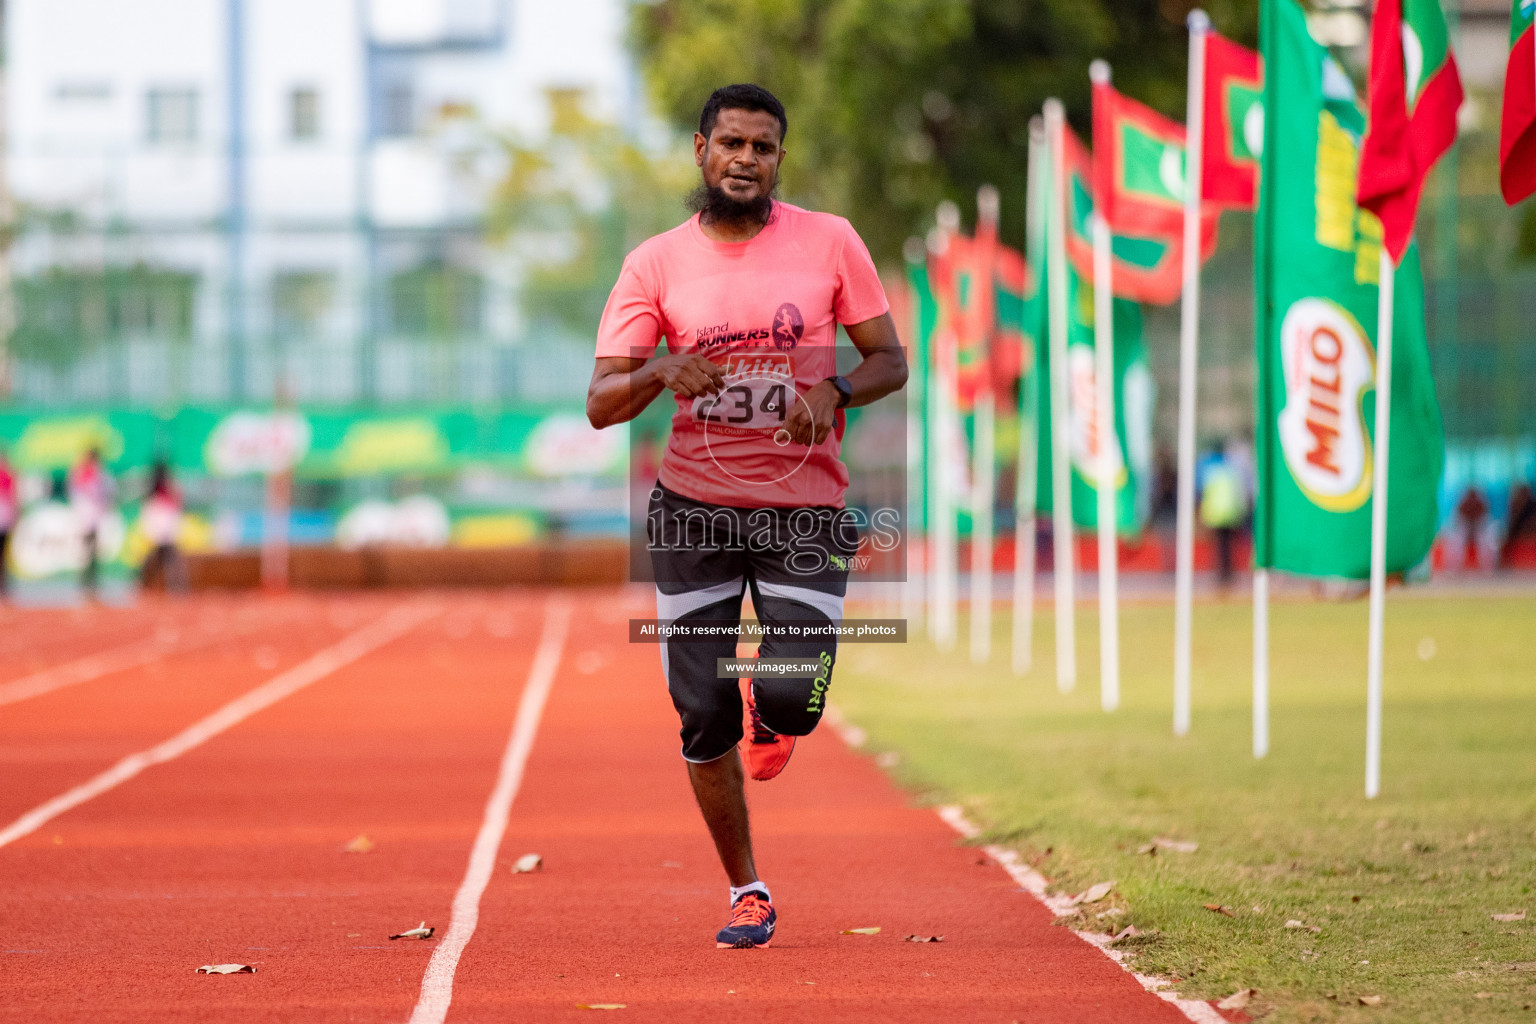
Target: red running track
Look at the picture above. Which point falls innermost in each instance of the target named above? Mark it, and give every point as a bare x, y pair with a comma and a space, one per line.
232, 852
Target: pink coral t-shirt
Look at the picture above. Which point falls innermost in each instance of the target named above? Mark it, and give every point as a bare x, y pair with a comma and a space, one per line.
766, 310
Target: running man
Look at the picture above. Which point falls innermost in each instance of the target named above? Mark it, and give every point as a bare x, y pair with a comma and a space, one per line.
748, 294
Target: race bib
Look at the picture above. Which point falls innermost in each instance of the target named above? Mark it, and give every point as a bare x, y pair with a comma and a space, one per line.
758, 394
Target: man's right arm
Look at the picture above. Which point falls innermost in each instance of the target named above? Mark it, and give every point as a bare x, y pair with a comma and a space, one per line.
623, 386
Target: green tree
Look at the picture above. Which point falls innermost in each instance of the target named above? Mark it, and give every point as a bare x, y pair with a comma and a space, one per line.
895, 105
574, 203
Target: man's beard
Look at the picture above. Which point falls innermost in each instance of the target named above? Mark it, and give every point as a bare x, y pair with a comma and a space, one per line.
713, 203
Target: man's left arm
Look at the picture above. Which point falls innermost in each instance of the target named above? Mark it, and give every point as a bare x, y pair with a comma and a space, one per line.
882, 371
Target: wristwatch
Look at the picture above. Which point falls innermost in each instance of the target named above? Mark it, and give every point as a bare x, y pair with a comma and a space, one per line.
844, 390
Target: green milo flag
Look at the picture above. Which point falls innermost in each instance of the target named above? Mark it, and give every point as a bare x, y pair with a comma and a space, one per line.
1134, 395
1317, 263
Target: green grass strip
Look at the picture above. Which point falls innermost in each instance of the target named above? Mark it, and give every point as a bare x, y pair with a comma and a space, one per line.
1402, 888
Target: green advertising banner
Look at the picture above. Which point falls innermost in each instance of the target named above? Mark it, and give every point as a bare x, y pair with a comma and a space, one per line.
1317, 264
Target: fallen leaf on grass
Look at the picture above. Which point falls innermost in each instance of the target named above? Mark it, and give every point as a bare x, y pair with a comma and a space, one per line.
1093, 893
1482, 995
359, 844
922, 938
861, 931
226, 969
1111, 912
1518, 915
421, 931
1175, 845
1130, 931
1237, 1000
1314, 929
599, 1006
528, 862
1370, 1000
1217, 908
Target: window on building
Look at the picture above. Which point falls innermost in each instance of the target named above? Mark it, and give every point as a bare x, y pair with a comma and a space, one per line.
301, 299
399, 109
64, 310
83, 92
172, 115
436, 299
304, 114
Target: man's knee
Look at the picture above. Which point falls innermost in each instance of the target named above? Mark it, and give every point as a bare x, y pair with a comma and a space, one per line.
793, 707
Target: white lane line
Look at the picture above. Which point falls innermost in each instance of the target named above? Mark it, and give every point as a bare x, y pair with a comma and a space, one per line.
1034, 883
105, 663
437, 983
317, 666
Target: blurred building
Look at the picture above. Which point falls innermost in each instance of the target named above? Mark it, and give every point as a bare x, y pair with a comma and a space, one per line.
223, 199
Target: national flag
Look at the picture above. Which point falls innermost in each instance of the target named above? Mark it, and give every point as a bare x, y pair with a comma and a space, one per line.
1517, 135
1234, 124
1148, 267
1011, 351
1139, 166
1317, 265
1415, 92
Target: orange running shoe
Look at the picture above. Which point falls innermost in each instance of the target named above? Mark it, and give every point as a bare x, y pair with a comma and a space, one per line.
767, 751
752, 923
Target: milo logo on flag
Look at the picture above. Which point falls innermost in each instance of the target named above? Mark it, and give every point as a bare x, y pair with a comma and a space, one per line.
1083, 421
1328, 365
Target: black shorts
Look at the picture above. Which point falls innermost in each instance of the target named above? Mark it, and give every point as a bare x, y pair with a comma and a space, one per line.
705, 557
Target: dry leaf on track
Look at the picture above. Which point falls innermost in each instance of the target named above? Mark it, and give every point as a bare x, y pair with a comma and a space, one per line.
359, 844
1237, 1000
861, 931
1094, 893
923, 938
226, 969
600, 1006
421, 931
528, 862
1217, 908
1518, 915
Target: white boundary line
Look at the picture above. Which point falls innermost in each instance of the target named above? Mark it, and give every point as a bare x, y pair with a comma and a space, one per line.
313, 668
108, 662
1034, 883
437, 982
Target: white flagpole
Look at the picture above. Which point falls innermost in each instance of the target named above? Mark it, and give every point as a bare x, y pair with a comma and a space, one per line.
1260, 662
1379, 528
1025, 484
984, 475
983, 497
1104, 427
948, 569
912, 591
1061, 470
937, 507
1189, 335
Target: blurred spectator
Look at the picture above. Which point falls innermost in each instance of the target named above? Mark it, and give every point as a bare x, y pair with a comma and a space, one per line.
90, 495
1471, 536
160, 520
1223, 508
1165, 489
1521, 522
8, 509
